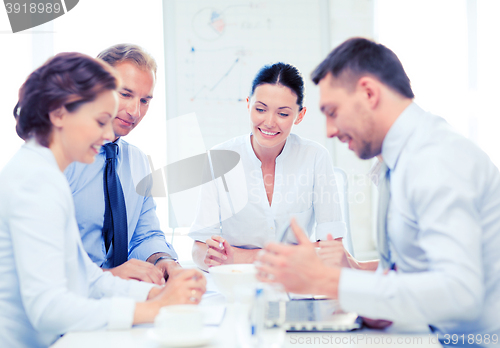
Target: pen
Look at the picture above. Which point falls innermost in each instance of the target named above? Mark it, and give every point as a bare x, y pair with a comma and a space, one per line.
221, 245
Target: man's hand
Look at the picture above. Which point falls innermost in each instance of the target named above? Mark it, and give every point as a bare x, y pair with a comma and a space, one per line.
171, 269
216, 256
138, 270
166, 266
185, 287
333, 253
297, 267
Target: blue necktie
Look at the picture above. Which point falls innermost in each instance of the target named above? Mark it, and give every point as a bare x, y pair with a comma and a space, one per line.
114, 229
384, 194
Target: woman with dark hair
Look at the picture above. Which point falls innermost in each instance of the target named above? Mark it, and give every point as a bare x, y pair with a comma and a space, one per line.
286, 176
49, 284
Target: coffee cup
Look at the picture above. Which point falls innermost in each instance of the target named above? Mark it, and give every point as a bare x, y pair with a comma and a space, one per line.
179, 321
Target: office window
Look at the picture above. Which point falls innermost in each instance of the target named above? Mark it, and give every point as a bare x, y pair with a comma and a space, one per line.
448, 49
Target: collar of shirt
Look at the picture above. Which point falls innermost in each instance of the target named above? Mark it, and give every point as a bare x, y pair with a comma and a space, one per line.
45, 152
118, 142
374, 172
253, 156
399, 133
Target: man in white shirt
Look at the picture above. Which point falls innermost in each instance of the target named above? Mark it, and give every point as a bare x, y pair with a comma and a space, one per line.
443, 217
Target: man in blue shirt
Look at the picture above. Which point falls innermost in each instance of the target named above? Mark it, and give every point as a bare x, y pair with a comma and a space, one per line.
150, 257
439, 233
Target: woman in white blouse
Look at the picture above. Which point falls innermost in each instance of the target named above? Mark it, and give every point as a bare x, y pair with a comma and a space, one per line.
49, 285
285, 176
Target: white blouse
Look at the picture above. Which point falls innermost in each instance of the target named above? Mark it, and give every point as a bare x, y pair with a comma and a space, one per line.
304, 188
49, 285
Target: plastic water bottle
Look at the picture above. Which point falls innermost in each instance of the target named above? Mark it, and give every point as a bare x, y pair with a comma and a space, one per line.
257, 317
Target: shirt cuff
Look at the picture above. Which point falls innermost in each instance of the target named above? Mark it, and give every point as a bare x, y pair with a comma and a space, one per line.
121, 314
356, 292
149, 247
140, 290
336, 228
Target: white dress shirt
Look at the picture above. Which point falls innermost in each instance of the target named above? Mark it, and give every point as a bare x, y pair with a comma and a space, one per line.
49, 285
443, 229
304, 188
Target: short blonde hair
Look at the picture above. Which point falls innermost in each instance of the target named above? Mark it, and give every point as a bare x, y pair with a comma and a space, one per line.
117, 54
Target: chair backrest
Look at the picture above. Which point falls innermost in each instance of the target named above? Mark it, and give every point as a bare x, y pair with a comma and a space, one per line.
342, 184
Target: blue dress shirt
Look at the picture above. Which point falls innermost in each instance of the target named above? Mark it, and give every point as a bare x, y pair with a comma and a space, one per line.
443, 229
86, 182
48, 284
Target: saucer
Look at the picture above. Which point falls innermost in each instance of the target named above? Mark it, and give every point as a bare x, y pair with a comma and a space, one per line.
193, 341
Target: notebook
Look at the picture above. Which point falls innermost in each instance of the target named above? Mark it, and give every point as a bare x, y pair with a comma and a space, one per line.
311, 316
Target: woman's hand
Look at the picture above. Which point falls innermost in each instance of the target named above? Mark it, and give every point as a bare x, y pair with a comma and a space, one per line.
215, 255
184, 287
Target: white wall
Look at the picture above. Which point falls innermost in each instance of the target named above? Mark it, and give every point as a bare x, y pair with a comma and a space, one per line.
350, 19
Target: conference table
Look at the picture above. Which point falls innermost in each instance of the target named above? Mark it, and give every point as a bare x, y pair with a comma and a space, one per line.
223, 327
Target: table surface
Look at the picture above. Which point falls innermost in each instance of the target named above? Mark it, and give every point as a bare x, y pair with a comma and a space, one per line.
226, 334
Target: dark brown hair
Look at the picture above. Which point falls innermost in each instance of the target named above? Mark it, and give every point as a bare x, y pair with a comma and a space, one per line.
357, 57
67, 79
281, 74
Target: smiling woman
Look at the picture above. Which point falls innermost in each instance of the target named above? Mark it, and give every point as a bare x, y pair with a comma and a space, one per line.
78, 137
287, 176
49, 284
273, 111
